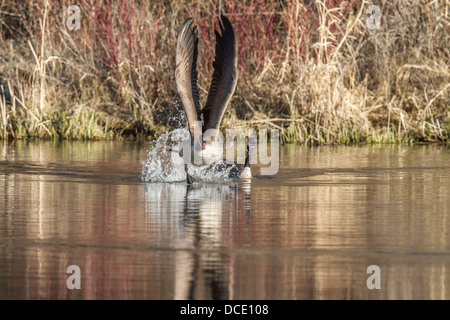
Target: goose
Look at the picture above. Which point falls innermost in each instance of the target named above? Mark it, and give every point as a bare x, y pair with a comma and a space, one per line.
223, 84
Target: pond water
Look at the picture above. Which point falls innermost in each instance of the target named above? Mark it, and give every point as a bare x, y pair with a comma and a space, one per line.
309, 232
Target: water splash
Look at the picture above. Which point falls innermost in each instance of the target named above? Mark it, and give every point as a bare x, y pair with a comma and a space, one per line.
163, 165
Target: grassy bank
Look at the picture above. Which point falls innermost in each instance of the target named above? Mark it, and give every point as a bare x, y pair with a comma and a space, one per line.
312, 69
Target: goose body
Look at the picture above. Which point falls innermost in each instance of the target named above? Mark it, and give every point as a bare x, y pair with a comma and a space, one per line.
223, 84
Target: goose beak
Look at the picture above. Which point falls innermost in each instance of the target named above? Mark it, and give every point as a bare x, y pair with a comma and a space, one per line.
246, 174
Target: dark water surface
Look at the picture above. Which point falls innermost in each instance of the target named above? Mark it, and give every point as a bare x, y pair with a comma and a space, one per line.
310, 232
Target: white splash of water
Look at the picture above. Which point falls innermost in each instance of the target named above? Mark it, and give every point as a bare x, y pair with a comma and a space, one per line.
163, 165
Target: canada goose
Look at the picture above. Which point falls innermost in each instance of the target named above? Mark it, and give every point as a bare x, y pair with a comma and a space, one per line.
222, 87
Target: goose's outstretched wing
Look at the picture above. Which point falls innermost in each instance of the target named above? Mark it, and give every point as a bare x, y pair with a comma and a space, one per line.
224, 78
186, 73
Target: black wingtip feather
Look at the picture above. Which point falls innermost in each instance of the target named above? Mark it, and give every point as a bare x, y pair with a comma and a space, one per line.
224, 76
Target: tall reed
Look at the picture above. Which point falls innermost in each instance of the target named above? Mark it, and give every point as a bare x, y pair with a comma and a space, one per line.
312, 69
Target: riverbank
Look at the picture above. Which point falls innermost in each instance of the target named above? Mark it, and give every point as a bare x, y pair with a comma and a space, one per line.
321, 73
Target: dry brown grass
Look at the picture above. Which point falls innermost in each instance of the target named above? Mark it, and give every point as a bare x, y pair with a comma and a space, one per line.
309, 68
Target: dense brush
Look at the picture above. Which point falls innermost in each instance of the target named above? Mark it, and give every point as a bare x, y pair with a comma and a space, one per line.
312, 69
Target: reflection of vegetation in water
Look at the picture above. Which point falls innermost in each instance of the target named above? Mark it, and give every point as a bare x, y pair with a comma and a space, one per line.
312, 69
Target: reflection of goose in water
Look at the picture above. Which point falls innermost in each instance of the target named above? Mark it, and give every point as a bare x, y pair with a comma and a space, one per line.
195, 220
223, 84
